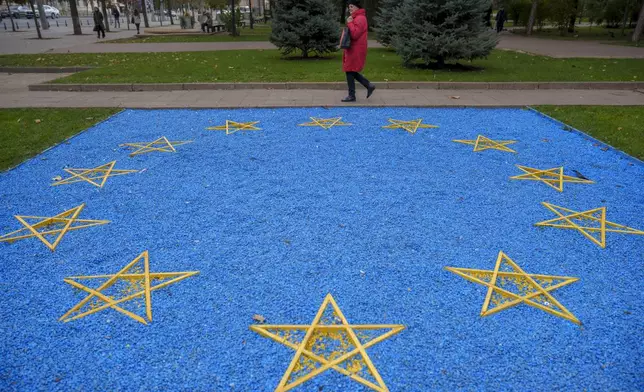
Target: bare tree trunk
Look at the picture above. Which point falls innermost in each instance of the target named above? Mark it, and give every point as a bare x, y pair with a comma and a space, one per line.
343, 14
106, 21
170, 11
31, 3
43, 17
144, 9
73, 8
624, 18
13, 25
573, 17
533, 16
640, 25
250, 6
234, 21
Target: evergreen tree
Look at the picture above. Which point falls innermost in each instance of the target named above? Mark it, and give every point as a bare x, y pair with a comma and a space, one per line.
305, 25
384, 21
441, 30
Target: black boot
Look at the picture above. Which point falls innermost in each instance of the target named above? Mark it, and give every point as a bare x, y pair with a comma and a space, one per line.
370, 90
349, 98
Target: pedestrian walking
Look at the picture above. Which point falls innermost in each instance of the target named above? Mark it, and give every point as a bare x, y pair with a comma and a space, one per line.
501, 17
203, 20
99, 27
353, 58
117, 15
209, 22
136, 19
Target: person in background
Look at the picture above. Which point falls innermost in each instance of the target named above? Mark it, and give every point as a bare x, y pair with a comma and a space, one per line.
353, 59
501, 17
209, 22
99, 27
116, 14
136, 19
203, 20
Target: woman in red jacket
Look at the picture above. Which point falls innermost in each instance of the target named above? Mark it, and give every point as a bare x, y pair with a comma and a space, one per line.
353, 59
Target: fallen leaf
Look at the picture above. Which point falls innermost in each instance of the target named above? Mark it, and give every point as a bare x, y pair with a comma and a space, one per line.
258, 318
20, 119
89, 118
455, 97
57, 178
37, 121
619, 128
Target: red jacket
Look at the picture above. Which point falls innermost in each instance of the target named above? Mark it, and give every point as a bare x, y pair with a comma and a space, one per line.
353, 59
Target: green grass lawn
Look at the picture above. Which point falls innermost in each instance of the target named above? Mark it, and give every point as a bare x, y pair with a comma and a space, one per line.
259, 33
268, 66
620, 126
588, 33
25, 133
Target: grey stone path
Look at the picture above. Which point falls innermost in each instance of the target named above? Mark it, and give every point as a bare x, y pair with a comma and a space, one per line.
14, 93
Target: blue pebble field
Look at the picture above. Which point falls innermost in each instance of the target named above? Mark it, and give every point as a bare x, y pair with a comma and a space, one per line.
276, 219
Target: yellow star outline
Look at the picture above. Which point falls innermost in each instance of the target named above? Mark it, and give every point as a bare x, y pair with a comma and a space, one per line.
57, 226
483, 143
96, 176
325, 123
310, 359
592, 223
530, 289
409, 126
162, 144
232, 126
140, 283
554, 177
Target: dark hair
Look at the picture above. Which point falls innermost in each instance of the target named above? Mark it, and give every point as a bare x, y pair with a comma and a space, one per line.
355, 3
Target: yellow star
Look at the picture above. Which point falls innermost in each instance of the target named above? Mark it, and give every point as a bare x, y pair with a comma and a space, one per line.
511, 286
232, 127
483, 143
330, 342
96, 176
409, 126
325, 123
56, 226
162, 144
592, 223
554, 177
132, 282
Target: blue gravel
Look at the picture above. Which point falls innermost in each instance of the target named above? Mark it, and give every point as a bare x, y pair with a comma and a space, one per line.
276, 219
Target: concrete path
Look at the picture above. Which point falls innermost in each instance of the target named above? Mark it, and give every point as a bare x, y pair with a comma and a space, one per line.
61, 41
14, 93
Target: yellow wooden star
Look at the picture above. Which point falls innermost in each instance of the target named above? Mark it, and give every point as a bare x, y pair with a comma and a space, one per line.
325, 123
511, 286
96, 176
47, 227
232, 126
162, 144
132, 282
592, 223
483, 143
329, 342
409, 126
554, 177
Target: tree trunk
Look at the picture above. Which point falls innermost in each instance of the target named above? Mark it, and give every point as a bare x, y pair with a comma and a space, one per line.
31, 3
144, 9
233, 20
106, 21
624, 18
13, 25
573, 17
73, 8
533, 16
343, 14
43, 16
170, 11
640, 25
250, 6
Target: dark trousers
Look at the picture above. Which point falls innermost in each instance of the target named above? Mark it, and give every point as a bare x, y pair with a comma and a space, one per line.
351, 82
499, 26
137, 27
100, 30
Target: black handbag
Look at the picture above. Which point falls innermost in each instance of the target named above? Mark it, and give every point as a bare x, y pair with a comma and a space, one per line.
345, 39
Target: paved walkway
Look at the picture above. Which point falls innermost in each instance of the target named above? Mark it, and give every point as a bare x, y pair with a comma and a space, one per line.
14, 93
61, 41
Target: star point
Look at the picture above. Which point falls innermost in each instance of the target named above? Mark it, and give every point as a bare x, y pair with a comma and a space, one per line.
44, 227
329, 342
233, 126
592, 224
133, 282
161, 144
325, 123
96, 176
483, 143
409, 126
508, 285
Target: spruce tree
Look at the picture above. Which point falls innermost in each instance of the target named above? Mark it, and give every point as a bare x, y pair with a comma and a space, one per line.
441, 30
384, 21
309, 26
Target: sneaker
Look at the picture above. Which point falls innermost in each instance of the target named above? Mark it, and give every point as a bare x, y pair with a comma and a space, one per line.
370, 90
349, 98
